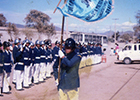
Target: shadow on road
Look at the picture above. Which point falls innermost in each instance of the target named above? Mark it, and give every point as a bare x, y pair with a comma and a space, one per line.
133, 63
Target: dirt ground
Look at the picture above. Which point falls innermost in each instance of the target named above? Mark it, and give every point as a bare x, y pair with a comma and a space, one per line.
93, 86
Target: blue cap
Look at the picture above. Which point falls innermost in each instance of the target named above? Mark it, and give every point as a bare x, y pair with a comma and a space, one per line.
37, 42
16, 41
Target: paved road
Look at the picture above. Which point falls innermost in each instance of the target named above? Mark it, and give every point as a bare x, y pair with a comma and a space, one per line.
105, 81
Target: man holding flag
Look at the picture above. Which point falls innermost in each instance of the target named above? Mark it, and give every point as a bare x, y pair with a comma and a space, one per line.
69, 81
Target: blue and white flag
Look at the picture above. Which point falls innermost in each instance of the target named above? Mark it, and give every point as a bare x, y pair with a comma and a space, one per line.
87, 10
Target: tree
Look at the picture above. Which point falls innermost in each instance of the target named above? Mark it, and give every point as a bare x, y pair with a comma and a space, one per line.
137, 27
12, 30
126, 36
28, 32
15, 30
117, 35
2, 20
40, 21
49, 30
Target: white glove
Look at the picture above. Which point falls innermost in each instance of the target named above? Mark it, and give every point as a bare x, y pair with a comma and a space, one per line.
61, 54
24, 44
56, 82
21, 49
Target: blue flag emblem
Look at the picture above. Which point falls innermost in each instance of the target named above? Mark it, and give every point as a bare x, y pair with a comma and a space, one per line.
87, 10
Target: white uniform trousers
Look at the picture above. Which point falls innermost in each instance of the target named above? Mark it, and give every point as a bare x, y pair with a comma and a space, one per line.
1, 81
26, 76
31, 72
99, 59
14, 73
42, 72
6, 82
19, 79
49, 69
36, 73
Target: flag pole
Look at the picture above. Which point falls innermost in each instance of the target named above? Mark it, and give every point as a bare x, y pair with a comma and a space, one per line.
57, 6
62, 31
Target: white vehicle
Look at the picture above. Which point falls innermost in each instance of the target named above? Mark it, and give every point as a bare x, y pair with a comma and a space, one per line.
86, 37
130, 53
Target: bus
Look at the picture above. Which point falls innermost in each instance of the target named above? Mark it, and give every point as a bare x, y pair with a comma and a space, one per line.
88, 37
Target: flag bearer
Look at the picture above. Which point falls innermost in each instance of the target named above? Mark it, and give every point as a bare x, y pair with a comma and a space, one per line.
69, 82
7, 67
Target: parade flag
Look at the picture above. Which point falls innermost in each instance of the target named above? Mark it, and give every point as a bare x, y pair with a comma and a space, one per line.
87, 10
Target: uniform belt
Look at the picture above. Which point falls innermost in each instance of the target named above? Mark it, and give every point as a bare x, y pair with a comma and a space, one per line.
7, 64
26, 58
43, 56
37, 57
29, 58
1, 65
20, 63
46, 57
56, 55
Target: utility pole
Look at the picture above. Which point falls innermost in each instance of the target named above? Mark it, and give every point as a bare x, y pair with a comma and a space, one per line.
115, 27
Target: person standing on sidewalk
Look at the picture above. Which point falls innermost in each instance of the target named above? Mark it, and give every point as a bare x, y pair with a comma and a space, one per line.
69, 83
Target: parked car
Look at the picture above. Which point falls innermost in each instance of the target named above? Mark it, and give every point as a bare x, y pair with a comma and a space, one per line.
130, 53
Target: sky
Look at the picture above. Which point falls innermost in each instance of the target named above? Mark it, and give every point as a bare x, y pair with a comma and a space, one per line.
124, 10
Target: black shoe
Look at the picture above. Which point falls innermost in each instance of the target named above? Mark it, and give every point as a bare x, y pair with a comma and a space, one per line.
20, 89
31, 85
7, 92
52, 73
1, 95
26, 87
32, 80
36, 83
14, 83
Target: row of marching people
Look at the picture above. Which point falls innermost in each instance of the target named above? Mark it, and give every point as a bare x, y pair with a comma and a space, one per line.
91, 53
32, 64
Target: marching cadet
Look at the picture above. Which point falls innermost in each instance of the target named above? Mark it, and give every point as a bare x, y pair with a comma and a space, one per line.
42, 61
56, 58
27, 58
15, 50
1, 69
98, 52
7, 67
69, 82
31, 72
49, 61
88, 62
94, 52
84, 55
37, 62
19, 68
55, 51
